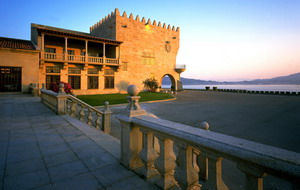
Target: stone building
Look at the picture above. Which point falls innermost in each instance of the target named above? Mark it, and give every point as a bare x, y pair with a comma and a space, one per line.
118, 51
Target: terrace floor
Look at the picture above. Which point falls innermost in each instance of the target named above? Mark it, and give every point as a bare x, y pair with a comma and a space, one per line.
42, 150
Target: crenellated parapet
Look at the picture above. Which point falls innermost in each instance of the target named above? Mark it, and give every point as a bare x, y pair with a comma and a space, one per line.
111, 19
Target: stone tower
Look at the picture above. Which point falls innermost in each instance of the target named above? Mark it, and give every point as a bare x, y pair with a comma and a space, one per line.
149, 48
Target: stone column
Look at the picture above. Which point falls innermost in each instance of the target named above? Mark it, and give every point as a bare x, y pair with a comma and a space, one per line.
104, 54
43, 46
86, 51
66, 49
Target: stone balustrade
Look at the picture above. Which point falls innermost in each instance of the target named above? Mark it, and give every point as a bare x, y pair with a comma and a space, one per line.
63, 103
178, 156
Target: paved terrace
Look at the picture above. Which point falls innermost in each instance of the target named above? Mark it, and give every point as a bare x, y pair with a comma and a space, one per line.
268, 119
41, 150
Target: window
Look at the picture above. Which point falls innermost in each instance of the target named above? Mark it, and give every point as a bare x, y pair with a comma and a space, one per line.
109, 78
74, 81
148, 58
109, 82
93, 82
50, 50
52, 69
51, 79
71, 52
10, 79
124, 66
92, 71
74, 70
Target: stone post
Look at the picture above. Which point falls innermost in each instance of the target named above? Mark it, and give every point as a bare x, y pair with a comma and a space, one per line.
61, 100
131, 137
106, 118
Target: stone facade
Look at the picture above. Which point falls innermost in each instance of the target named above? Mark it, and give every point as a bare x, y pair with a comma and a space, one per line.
118, 51
149, 48
27, 60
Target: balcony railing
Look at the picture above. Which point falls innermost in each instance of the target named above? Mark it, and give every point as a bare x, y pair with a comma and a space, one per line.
53, 56
78, 58
95, 59
112, 61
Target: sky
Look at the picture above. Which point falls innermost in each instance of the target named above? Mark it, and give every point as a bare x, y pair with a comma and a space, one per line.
224, 40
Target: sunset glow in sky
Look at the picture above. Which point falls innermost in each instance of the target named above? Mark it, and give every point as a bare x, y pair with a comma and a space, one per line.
225, 40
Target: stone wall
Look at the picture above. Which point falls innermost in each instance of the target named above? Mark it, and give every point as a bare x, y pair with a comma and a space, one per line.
27, 59
149, 48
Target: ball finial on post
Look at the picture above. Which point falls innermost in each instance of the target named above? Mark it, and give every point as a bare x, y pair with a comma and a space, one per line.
204, 125
61, 88
133, 90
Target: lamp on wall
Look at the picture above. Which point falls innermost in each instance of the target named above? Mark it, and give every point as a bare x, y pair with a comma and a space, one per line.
124, 26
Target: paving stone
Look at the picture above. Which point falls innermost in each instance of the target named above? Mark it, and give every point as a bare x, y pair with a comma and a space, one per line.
112, 173
23, 147
67, 170
27, 181
82, 181
1, 174
22, 156
82, 143
54, 149
132, 183
22, 167
50, 142
3, 144
75, 137
89, 152
21, 141
99, 161
60, 158
44, 187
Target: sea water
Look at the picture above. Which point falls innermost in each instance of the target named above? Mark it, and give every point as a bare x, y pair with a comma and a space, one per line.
285, 88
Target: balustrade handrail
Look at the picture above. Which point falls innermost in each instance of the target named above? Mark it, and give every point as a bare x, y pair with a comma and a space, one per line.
63, 103
85, 104
274, 160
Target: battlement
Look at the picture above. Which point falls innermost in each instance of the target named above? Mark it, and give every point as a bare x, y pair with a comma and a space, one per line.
112, 17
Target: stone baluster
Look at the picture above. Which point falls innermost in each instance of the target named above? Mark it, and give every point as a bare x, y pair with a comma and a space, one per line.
82, 113
201, 160
165, 163
73, 109
106, 118
187, 170
98, 121
69, 105
90, 117
254, 177
148, 154
215, 172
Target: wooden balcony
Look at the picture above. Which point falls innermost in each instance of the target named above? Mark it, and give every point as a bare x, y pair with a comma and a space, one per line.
55, 57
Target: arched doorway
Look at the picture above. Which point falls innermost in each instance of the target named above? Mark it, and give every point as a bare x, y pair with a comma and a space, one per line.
168, 81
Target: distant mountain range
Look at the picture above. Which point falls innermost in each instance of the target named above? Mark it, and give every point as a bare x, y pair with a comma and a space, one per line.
282, 80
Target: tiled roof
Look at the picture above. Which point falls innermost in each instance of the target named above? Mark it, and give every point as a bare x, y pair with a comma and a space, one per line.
71, 33
16, 44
